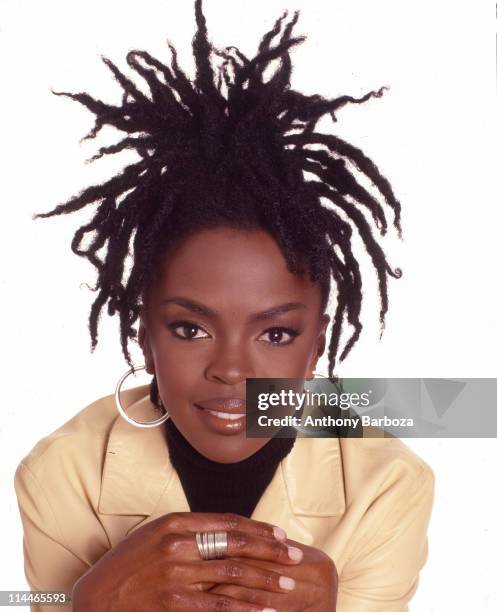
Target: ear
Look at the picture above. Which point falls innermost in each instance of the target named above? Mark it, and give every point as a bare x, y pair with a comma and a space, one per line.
143, 341
320, 344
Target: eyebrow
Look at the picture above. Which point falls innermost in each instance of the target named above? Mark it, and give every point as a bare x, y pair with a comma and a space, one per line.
201, 309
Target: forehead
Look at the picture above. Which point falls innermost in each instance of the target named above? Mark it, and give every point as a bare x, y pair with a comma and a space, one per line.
226, 265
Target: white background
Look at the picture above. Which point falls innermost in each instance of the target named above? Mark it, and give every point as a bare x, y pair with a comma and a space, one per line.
432, 134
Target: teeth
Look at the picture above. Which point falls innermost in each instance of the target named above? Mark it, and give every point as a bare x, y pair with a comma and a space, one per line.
226, 415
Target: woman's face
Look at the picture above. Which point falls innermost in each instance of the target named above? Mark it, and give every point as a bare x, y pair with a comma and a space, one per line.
225, 309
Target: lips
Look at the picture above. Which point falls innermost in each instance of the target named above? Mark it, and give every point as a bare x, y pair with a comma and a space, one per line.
223, 415
224, 408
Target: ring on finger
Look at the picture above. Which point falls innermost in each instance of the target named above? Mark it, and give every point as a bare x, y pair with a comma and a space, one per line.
212, 544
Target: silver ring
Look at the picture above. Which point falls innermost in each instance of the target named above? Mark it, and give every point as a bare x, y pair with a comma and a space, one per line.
212, 544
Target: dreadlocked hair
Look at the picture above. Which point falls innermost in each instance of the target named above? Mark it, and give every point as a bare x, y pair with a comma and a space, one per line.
230, 148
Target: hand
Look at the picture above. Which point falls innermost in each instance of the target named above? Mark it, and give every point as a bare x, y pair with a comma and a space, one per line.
159, 567
316, 584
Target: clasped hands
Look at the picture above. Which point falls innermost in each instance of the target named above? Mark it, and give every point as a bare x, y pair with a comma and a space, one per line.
158, 566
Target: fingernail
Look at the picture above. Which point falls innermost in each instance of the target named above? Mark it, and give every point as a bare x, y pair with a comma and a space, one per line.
287, 583
295, 553
269, 610
279, 534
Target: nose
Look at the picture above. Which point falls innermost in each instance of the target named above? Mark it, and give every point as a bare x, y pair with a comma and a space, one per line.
229, 364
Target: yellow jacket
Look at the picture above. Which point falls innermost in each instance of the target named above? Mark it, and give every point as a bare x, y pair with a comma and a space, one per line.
85, 487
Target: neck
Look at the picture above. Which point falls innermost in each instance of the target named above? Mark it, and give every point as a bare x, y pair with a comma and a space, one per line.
211, 486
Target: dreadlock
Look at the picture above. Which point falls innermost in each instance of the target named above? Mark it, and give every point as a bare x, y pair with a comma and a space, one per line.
229, 147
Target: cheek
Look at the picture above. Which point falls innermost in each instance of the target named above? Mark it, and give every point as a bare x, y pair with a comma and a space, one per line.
177, 375
281, 363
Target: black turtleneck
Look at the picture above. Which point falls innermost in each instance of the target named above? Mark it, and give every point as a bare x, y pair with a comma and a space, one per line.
224, 487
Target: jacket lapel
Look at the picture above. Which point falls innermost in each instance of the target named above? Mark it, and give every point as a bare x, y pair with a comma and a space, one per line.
136, 465
138, 478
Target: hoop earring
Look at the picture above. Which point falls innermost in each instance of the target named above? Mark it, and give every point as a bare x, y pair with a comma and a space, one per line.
122, 412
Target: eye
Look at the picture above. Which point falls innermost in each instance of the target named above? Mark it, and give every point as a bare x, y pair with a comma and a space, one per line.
187, 331
280, 335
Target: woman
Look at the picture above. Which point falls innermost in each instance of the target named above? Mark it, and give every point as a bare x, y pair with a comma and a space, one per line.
233, 251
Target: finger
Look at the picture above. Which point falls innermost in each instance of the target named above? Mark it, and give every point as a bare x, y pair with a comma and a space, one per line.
228, 571
217, 521
241, 544
183, 546
208, 602
254, 596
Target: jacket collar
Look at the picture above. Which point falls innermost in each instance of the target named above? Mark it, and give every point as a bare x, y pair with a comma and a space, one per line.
138, 478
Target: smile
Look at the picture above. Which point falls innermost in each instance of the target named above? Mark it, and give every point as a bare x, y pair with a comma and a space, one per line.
220, 422
225, 415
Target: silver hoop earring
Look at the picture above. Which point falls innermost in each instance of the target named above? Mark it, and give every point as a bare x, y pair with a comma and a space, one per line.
122, 412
